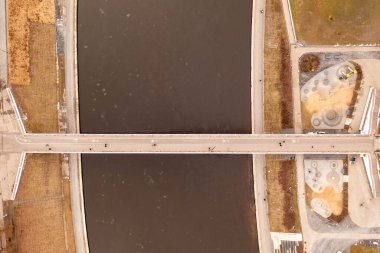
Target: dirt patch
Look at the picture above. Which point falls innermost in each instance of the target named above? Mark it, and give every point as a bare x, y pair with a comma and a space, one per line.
334, 199
338, 218
38, 101
282, 194
278, 109
306, 118
20, 14
339, 98
42, 219
338, 202
332, 22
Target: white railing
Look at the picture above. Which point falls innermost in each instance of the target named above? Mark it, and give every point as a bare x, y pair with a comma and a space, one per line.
293, 32
17, 112
20, 169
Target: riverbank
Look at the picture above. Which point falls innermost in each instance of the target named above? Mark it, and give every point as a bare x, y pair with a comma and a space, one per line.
73, 126
41, 212
282, 193
278, 101
33, 63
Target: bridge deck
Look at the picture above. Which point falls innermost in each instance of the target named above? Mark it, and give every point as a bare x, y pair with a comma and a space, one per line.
205, 143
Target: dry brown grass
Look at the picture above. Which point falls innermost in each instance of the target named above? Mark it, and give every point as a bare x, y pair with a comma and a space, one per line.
282, 194
41, 178
68, 216
61, 78
278, 109
39, 99
334, 21
20, 14
363, 249
8, 228
39, 227
42, 214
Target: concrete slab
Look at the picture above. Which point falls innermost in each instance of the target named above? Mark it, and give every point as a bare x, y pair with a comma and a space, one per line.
9, 164
8, 120
320, 174
363, 209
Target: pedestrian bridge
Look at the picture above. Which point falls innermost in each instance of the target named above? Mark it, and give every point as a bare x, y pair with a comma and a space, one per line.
191, 143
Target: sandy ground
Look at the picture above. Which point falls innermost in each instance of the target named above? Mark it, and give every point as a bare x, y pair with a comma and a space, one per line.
20, 15
334, 198
39, 99
277, 71
42, 215
334, 21
282, 194
338, 98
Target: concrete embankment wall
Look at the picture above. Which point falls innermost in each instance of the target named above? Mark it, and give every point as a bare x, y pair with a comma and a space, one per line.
76, 188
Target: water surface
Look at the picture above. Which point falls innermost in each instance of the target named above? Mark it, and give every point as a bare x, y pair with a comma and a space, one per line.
164, 66
170, 203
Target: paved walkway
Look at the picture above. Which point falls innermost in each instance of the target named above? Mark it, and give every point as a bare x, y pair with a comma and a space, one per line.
190, 143
257, 96
72, 106
363, 209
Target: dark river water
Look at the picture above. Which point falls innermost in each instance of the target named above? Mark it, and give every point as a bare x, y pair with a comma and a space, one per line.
166, 66
170, 203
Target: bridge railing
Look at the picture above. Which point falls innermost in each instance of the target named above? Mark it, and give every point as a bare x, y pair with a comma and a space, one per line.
16, 110
20, 169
